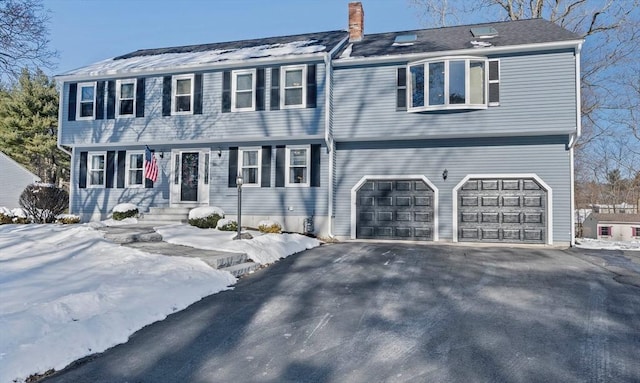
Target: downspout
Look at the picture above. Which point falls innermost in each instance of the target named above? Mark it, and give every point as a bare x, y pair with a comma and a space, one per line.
59, 145
328, 137
572, 141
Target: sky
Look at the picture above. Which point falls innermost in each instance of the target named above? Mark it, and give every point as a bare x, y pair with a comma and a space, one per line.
86, 31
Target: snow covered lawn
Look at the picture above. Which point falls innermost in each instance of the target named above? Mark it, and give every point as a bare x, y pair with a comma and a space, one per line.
599, 244
66, 292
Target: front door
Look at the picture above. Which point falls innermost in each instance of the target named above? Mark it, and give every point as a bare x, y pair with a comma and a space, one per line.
189, 177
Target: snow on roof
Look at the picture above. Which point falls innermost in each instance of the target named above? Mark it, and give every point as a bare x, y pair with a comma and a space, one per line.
172, 61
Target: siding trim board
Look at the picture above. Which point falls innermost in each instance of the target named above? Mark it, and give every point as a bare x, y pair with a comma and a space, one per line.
547, 188
364, 179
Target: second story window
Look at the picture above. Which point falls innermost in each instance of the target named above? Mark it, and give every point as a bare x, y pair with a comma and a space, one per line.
243, 87
293, 86
126, 96
86, 100
182, 100
249, 165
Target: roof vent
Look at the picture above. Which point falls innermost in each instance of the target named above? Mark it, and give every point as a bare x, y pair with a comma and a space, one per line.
484, 32
404, 40
480, 44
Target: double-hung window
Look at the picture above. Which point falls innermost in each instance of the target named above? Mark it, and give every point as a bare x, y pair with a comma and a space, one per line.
249, 162
135, 169
293, 80
243, 90
298, 159
86, 100
450, 83
635, 231
182, 100
96, 169
605, 231
126, 96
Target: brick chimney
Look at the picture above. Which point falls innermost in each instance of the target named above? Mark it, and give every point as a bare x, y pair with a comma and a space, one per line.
356, 21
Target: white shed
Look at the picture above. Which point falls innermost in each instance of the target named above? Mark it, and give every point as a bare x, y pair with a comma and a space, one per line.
13, 179
615, 227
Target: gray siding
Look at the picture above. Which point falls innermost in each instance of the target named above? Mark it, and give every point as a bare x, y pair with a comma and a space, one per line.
13, 178
537, 94
545, 157
211, 125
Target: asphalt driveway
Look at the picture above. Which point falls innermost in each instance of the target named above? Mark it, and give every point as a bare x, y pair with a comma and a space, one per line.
362, 312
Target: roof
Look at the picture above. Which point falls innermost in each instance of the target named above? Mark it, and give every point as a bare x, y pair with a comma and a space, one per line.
510, 33
617, 217
173, 58
5, 160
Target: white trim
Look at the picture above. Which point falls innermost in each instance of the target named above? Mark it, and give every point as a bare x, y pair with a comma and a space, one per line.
572, 231
258, 166
578, 92
287, 166
358, 185
119, 84
79, 100
204, 141
526, 48
203, 188
174, 90
127, 168
283, 88
234, 85
549, 205
90, 156
513, 133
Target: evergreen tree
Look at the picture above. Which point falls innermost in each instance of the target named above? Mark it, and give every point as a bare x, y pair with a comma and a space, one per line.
28, 126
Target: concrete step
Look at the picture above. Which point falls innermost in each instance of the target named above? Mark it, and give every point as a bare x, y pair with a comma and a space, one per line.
128, 234
214, 258
169, 210
148, 217
242, 268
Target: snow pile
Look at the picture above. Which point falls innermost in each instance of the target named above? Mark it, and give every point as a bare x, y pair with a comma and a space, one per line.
598, 244
205, 211
65, 293
263, 248
19, 213
225, 221
176, 60
124, 207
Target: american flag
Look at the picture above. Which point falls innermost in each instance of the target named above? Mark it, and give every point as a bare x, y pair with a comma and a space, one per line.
150, 165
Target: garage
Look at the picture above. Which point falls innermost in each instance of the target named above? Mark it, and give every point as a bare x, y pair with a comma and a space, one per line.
395, 209
502, 210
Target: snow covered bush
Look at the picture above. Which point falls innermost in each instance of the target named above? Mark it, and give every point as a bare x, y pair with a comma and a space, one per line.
43, 202
124, 210
269, 227
67, 219
205, 217
227, 225
6, 216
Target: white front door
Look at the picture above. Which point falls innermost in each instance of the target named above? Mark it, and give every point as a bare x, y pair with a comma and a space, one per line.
189, 177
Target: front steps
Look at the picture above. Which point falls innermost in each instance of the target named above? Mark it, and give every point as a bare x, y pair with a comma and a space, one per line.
166, 215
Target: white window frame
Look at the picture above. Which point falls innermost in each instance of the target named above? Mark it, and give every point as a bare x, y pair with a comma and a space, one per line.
234, 84
489, 81
127, 177
241, 166
79, 101
174, 93
288, 166
90, 169
283, 88
447, 105
119, 84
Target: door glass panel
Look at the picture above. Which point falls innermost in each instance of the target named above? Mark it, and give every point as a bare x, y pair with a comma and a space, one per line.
189, 177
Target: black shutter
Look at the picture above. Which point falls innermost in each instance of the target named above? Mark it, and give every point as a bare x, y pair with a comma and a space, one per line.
147, 182
166, 96
73, 92
315, 165
280, 166
197, 96
275, 88
140, 94
100, 100
111, 100
401, 89
226, 93
122, 158
260, 89
82, 177
233, 166
111, 169
266, 167
311, 86
494, 81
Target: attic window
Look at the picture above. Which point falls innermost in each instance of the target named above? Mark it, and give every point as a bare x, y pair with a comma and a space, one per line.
484, 32
404, 40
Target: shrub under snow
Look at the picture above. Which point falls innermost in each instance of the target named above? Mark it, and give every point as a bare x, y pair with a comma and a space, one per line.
205, 217
67, 219
43, 202
227, 225
124, 210
269, 227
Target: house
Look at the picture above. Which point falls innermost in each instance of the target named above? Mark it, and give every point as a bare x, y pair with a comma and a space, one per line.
451, 134
610, 226
14, 178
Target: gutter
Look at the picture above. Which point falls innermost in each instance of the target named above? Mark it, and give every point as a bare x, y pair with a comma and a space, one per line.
572, 142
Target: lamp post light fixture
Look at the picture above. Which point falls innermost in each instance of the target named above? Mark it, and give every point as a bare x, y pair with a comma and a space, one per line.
239, 182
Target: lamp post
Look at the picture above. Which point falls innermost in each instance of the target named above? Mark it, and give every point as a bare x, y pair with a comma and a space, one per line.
239, 181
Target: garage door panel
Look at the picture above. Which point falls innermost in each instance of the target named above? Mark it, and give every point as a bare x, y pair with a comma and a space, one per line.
502, 210
395, 209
